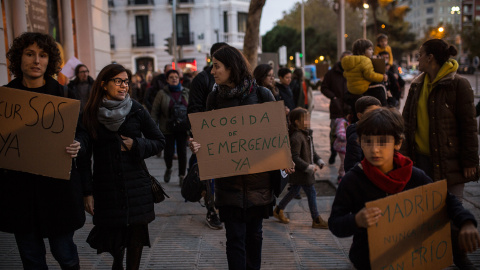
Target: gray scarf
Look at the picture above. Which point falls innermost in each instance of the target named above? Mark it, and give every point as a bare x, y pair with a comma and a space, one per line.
112, 113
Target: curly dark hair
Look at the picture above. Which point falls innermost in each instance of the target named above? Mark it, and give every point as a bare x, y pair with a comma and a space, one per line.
360, 46
44, 42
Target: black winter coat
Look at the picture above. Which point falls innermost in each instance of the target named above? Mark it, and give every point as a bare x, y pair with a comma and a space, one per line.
354, 152
334, 87
120, 186
286, 95
355, 190
35, 203
201, 86
242, 191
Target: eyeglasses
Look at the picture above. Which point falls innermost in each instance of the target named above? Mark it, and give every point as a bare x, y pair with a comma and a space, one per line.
83, 71
271, 76
119, 81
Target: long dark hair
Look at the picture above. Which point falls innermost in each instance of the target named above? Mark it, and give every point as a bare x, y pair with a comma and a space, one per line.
234, 61
44, 42
90, 113
260, 73
440, 50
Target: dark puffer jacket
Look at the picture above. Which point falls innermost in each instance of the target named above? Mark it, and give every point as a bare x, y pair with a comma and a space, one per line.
120, 186
303, 154
242, 191
334, 87
35, 203
453, 127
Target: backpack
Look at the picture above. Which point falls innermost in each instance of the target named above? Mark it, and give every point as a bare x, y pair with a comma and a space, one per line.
193, 187
177, 118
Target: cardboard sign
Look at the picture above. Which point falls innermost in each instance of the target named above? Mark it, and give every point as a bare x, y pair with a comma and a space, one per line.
414, 232
242, 140
34, 131
379, 65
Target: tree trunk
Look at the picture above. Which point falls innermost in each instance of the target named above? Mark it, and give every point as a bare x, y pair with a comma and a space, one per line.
251, 39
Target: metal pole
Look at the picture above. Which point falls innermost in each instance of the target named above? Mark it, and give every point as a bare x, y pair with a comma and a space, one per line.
364, 23
174, 35
303, 35
341, 47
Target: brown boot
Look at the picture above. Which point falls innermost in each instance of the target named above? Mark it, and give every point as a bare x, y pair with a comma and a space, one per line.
319, 223
278, 213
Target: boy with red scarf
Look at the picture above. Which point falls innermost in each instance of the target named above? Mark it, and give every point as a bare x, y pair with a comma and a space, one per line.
383, 172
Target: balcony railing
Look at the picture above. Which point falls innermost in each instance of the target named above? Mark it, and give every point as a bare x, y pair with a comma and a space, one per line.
182, 1
112, 42
147, 41
232, 38
140, 2
188, 40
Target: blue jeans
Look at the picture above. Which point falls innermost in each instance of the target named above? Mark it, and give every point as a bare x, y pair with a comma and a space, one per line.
311, 196
244, 244
32, 251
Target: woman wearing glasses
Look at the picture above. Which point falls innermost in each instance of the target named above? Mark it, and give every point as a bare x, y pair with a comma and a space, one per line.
173, 96
120, 196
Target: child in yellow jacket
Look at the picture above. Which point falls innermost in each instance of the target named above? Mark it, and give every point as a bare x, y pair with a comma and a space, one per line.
382, 46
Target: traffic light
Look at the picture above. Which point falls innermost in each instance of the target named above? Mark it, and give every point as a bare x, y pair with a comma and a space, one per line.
169, 45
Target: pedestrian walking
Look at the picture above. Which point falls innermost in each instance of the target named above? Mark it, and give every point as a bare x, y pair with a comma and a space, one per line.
384, 172
334, 87
164, 113
307, 162
354, 153
80, 87
243, 201
440, 125
202, 85
362, 80
120, 134
34, 207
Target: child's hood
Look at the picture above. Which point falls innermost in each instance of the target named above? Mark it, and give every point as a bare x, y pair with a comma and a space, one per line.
351, 61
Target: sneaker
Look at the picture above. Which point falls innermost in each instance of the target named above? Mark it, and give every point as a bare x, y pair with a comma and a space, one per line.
278, 213
213, 221
180, 179
319, 223
167, 175
298, 196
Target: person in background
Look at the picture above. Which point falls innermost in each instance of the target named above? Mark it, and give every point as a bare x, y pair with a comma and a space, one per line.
392, 84
158, 83
362, 80
80, 87
382, 46
354, 153
120, 134
286, 94
34, 207
202, 85
340, 142
382, 173
440, 126
139, 87
307, 162
173, 93
299, 89
265, 77
243, 201
334, 87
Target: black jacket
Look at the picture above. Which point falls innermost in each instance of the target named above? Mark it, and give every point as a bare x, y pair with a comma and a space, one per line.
354, 152
286, 95
35, 203
355, 190
120, 186
75, 94
334, 87
201, 86
242, 191
298, 94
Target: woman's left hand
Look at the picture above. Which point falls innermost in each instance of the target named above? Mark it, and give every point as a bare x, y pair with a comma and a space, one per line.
194, 146
128, 143
73, 149
469, 172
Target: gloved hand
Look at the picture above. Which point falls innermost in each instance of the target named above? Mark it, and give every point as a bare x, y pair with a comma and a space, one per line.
321, 163
311, 169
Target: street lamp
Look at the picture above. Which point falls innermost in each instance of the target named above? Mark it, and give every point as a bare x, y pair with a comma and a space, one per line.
365, 7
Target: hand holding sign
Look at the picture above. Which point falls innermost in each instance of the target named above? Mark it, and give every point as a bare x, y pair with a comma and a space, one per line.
368, 217
468, 238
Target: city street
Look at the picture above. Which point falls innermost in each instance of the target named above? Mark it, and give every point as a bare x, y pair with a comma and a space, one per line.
181, 240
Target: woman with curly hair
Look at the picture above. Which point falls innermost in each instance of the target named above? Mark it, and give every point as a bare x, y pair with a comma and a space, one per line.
33, 207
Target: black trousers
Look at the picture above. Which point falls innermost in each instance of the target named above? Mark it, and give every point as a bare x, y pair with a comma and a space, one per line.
180, 139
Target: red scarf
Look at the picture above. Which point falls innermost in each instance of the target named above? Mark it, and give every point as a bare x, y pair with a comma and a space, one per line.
394, 181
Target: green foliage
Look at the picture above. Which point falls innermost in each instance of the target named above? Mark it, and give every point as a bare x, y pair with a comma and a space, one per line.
471, 39
279, 36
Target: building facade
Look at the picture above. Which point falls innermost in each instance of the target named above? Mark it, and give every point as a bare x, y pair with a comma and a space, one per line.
139, 30
80, 28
